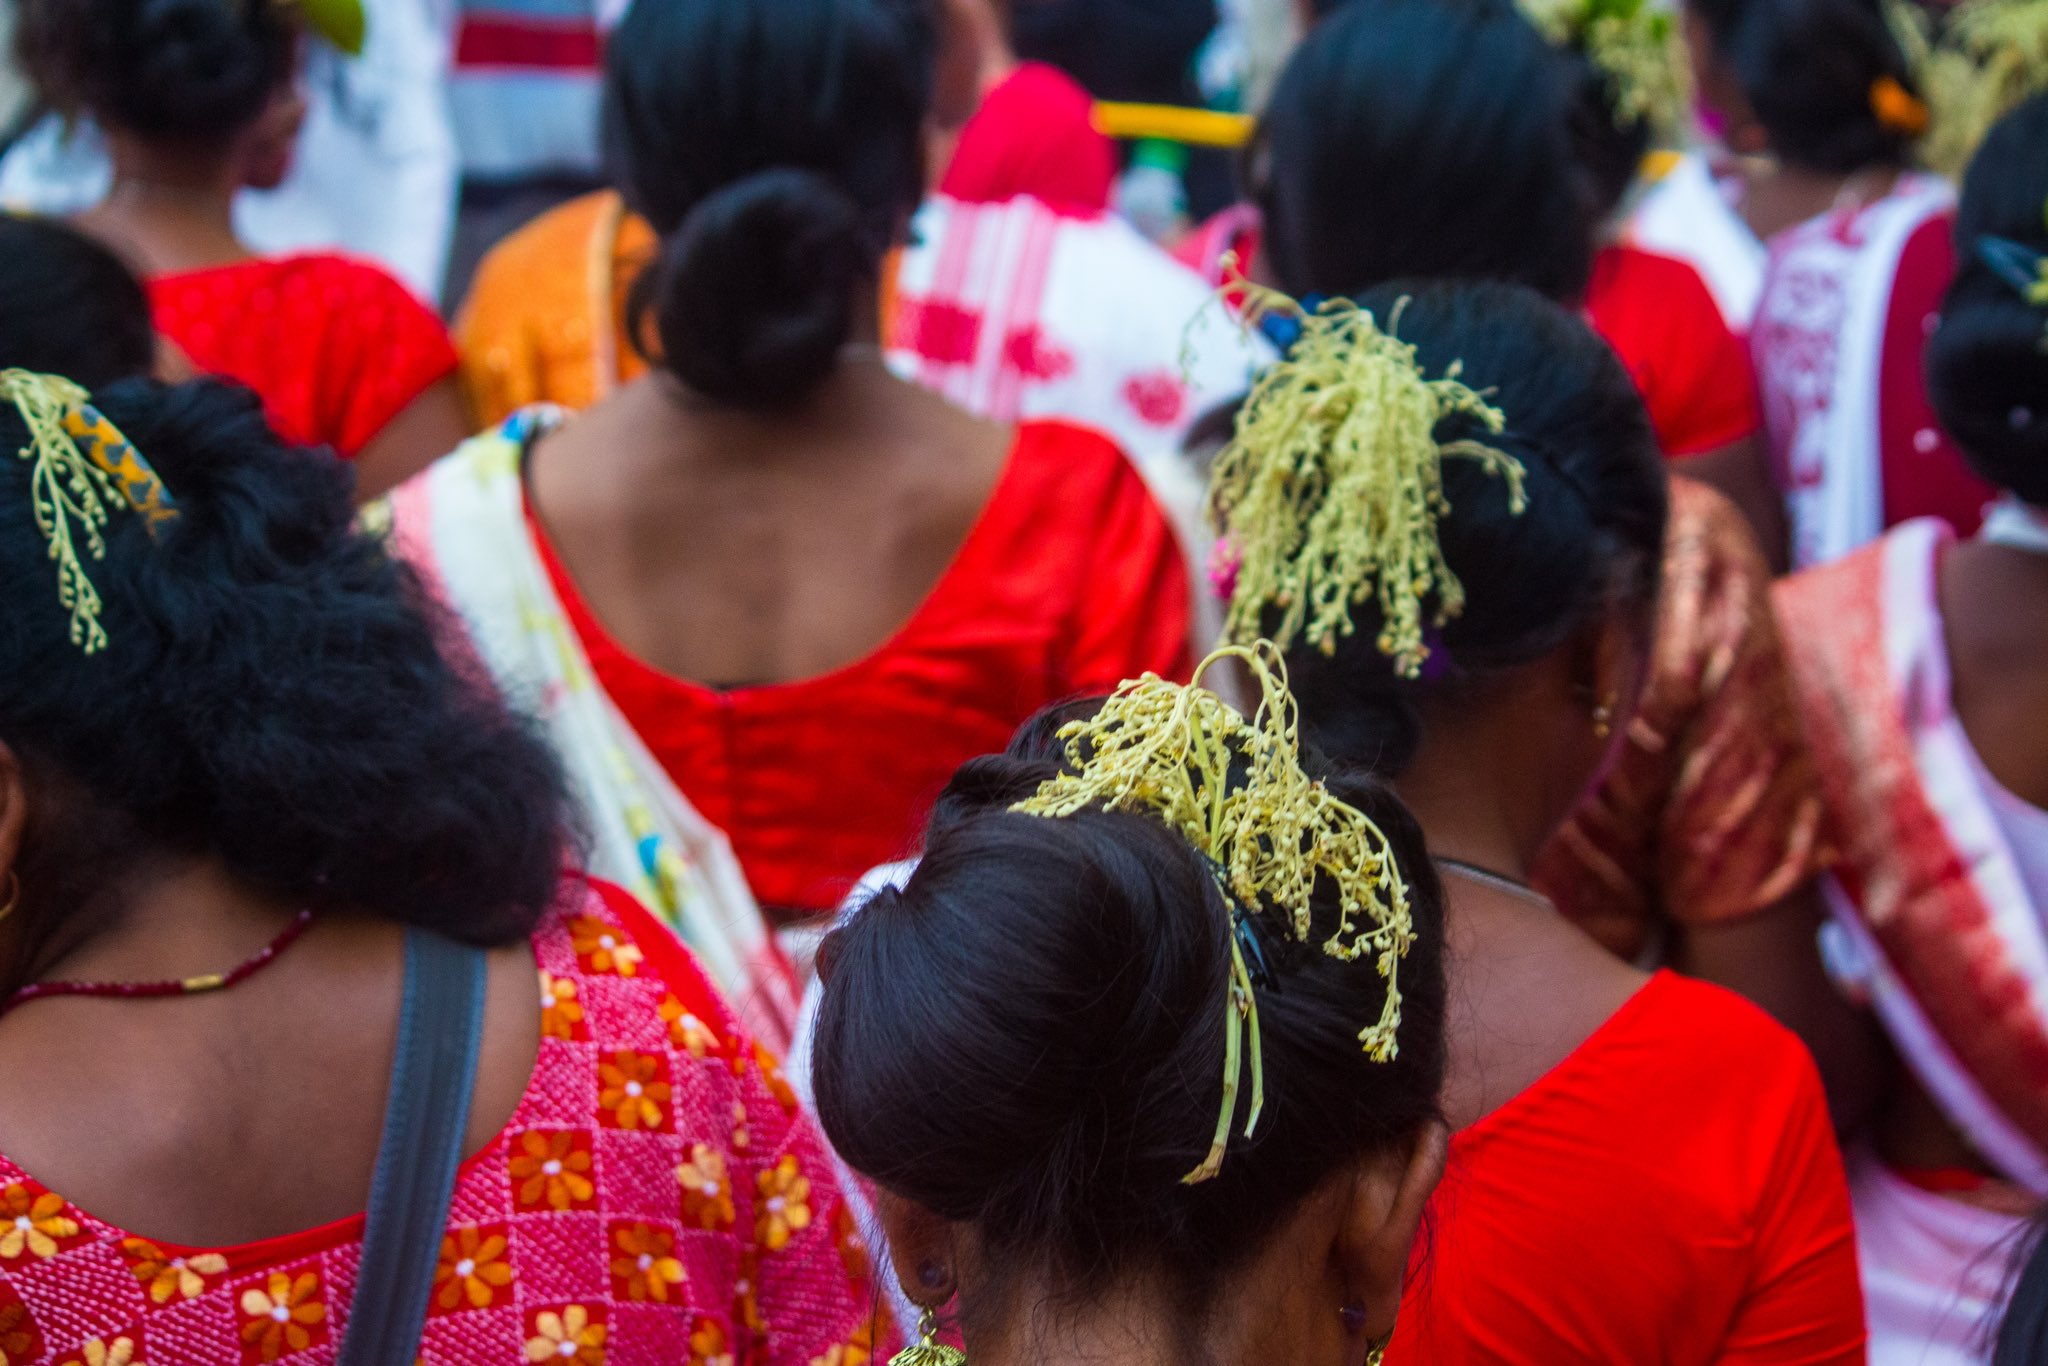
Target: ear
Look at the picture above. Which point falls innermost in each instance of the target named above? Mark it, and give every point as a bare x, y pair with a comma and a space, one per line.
1608, 660
13, 812
1377, 1240
922, 1246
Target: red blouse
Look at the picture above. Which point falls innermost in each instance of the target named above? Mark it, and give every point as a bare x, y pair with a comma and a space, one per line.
334, 347
656, 1196
1692, 372
1034, 134
1671, 1193
1070, 582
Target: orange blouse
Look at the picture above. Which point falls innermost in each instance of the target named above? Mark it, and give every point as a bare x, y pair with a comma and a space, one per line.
1671, 1193
1070, 582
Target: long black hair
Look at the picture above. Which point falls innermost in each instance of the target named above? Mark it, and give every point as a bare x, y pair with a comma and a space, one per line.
272, 696
186, 71
1422, 138
1028, 1038
1987, 369
1589, 543
1810, 70
777, 148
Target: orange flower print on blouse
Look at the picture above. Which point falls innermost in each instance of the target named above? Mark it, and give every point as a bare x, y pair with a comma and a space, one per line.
604, 948
778, 1085
100, 1352
742, 1137
552, 1170
32, 1222
165, 1276
634, 1091
785, 1208
707, 1189
282, 1317
646, 1267
708, 1345
853, 1249
855, 1351
686, 1031
19, 1340
570, 1337
473, 1268
561, 1014
746, 1295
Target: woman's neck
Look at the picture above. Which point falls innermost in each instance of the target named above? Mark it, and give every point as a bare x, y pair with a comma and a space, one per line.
1486, 787
176, 922
171, 214
1777, 196
1131, 1328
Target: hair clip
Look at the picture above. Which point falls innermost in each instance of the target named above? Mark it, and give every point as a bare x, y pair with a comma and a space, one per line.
2020, 266
1234, 789
1899, 111
81, 466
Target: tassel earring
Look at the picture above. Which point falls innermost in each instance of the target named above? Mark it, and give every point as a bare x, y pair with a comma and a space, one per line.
1603, 718
929, 1351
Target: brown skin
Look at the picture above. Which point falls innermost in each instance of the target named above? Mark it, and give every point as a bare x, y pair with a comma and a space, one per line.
1348, 1244
1994, 604
1739, 472
171, 209
262, 1105
811, 536
1500, 767
975, 57
1775, 196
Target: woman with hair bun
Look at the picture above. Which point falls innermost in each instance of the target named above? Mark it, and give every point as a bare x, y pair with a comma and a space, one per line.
1447, 508
197, 101
1144, 1057
246, 803
1817, 98
1922, 664
768, 574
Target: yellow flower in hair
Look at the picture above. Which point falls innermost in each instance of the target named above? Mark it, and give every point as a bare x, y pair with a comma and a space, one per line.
1234, 788
1332, 488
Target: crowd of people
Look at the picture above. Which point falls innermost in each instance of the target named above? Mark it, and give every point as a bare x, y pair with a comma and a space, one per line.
861, 753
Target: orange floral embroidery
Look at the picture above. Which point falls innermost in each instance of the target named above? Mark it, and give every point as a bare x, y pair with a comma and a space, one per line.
785, 1208
32, 1222
746, 1295
282, 1317
647, 1266
855, 1351
778, 1084
100, 1352
18, 1338
707, 1189
552, 1169
853, 1249
633, 1088
686, 1031
567, 1337
707, 1344
604, 947
164, 1276
473, 1268
742, 1137
561, 1014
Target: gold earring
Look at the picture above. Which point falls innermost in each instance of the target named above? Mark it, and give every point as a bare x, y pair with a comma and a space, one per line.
13, 894
1378, 1355
1603, 718
929, 1352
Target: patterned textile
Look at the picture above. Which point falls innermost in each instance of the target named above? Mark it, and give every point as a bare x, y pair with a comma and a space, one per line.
1955, 949
1712, 811
656, 1197
463, 523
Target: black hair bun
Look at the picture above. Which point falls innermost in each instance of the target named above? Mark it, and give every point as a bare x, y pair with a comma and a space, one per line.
196, 70
753, 296
1987, 364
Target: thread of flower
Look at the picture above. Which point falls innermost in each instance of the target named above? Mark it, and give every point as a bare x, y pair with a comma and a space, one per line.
1331, 489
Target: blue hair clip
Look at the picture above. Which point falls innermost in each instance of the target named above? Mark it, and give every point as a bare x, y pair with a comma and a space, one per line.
2025, 269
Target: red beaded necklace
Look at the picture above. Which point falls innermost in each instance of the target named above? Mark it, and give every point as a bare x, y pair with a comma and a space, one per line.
189, 986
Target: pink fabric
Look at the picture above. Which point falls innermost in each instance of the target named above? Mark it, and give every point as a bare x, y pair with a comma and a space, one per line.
1034, 135
669, 1133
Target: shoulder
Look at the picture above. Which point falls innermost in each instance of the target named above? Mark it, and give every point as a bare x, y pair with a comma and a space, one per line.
1072, 468
1045, 89
542, 243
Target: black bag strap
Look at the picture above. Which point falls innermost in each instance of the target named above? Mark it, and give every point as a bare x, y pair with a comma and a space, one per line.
425, 1121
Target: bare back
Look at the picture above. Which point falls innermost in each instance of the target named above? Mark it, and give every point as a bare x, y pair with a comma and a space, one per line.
741, 549
1994, 606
